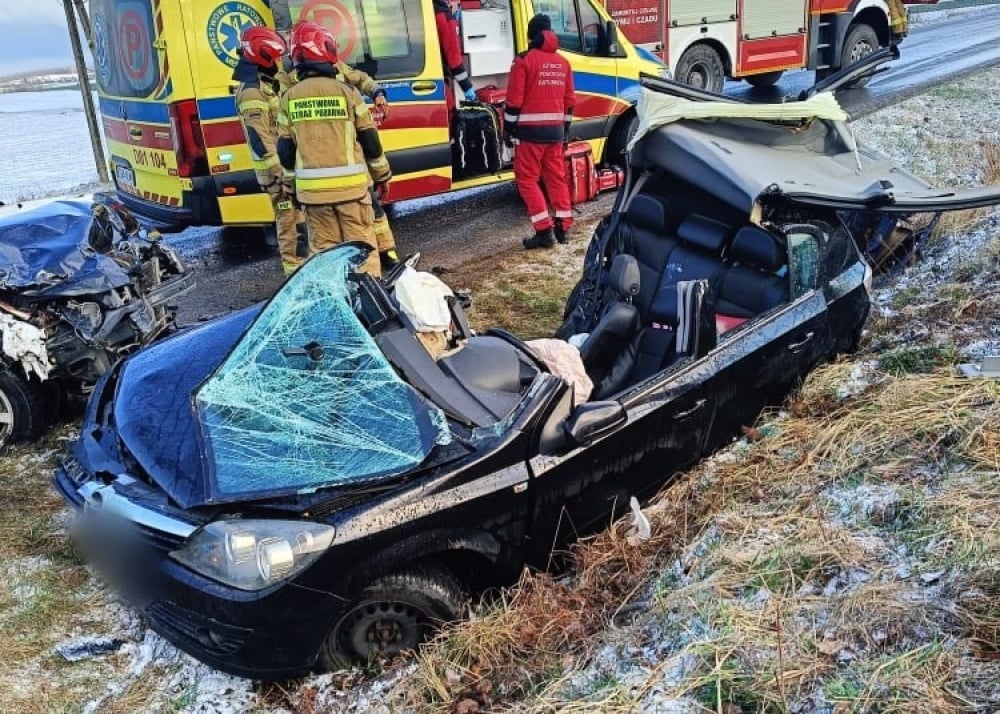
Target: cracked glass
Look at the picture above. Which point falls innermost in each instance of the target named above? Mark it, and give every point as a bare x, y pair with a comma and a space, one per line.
306, 399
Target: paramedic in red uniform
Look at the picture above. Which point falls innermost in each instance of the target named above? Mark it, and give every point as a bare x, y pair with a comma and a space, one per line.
451, 51
539, 109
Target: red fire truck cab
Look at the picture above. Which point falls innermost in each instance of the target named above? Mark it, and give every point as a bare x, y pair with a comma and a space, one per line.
705, 41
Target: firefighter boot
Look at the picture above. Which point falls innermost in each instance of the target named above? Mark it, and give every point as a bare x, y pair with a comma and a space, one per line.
560, 232
542, 239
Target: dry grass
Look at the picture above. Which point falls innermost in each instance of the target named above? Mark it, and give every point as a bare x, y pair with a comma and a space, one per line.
755, 548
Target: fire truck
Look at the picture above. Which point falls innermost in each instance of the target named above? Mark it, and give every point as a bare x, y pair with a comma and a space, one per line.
705, 41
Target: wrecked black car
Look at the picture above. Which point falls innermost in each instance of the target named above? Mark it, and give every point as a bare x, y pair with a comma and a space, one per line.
321, 480
80, 286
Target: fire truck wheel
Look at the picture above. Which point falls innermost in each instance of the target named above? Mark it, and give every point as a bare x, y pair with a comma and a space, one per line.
22, 414
765, 79
860, 42
701, 67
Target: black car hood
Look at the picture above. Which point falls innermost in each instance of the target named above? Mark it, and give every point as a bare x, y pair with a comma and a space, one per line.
45, 251
154, 412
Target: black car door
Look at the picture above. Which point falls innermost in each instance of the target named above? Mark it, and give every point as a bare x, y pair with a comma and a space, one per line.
582, 489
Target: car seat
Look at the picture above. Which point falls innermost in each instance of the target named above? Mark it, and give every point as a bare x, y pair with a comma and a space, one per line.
619, 319
753, 284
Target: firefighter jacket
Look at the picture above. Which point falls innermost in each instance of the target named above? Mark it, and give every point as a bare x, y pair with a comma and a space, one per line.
357, 78
327, 138
540, 96
257, 103
451, 48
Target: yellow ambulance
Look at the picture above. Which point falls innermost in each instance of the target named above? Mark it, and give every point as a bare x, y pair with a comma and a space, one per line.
178, 152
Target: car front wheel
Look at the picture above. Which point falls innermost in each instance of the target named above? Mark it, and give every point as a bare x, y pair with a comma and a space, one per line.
860, 42
701, 67
393, 614
22, 413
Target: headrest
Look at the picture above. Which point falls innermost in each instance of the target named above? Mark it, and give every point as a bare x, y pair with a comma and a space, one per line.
703, 232
649, 212
624, 277
757, 248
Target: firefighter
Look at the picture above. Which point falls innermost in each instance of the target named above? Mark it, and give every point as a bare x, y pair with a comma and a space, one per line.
257, 101
898, 20
364, 83
538, 112
330, 147
451, 51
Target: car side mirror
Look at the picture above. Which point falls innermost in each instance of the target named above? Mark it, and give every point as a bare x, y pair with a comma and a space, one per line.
611, 36
593, 420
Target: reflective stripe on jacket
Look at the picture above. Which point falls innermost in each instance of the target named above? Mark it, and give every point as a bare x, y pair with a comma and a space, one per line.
540, 96
337, 152
257, 104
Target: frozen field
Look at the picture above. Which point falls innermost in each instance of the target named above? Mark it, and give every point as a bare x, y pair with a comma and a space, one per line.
44, 145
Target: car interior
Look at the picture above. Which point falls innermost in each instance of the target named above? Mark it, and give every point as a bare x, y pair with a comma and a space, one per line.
691, 271
477, 381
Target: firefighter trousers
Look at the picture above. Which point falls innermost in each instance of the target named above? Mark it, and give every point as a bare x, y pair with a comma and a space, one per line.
285, 217
534, 162
331, 224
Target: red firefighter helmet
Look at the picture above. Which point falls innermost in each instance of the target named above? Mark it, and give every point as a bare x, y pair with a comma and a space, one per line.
311, 42
262, 46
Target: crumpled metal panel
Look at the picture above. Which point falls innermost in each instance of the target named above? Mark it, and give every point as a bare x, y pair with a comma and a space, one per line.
306, 399
45, 251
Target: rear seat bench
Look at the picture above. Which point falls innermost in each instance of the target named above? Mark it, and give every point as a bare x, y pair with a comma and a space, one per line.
747, 276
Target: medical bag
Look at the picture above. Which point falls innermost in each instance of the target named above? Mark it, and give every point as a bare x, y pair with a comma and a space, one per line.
609, 178
478, 140
580, 173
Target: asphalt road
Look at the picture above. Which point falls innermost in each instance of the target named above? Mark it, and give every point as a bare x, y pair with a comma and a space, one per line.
235, 269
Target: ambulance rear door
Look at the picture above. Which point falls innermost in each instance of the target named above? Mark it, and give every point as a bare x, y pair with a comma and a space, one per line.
212, 33
137, 85
395, 41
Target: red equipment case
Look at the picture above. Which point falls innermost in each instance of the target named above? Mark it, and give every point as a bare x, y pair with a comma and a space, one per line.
580, 173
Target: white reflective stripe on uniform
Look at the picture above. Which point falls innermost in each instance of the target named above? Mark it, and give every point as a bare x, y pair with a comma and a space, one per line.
539, 217
348, 170
507, 116
563, 214
567, 117
461, 76
541, 117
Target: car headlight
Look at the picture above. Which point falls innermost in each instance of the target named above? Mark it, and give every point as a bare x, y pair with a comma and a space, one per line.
253, 554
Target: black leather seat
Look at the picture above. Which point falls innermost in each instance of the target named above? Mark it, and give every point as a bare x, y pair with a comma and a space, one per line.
650, 239
618, 323
698, 256
752, 286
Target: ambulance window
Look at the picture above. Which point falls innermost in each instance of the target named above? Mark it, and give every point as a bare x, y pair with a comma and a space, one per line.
381, 37
125, 61
567, 24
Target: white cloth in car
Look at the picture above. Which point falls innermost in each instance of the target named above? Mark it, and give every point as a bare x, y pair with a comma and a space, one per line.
421, 297
564, 360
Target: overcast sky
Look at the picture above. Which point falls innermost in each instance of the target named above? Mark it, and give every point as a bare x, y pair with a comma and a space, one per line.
34, 36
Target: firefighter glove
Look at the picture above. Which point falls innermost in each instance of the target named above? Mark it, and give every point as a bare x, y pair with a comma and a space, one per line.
382, 190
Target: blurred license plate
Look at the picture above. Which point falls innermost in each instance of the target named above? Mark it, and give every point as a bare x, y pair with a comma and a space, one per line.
125, 175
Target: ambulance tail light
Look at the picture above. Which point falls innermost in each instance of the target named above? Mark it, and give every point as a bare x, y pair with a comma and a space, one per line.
189, 145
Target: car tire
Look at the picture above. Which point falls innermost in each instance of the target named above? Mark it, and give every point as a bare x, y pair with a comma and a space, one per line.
22, 409
625, 128
701, 67
860, 42
392, 614
764, 79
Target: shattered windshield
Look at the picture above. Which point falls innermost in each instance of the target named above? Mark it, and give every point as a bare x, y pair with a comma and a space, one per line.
306, 399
